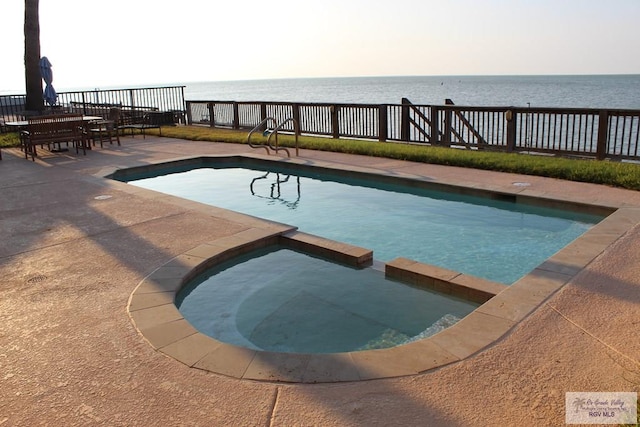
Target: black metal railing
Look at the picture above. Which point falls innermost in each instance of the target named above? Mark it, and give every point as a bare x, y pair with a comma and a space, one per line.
98, 102
592, 133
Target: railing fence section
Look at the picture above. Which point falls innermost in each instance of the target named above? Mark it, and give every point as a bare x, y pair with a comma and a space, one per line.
591, 133
11, 107
98, 102
596, 133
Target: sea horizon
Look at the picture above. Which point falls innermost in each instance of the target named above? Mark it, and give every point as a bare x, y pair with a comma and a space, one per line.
569, 91
535, 90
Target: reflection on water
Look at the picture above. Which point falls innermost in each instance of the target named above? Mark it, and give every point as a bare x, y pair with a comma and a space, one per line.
274, 181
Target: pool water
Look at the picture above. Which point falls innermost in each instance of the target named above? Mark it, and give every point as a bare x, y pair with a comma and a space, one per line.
492, 239
281, 300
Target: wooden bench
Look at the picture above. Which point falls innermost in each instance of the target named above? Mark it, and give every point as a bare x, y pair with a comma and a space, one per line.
50, 130
91, 109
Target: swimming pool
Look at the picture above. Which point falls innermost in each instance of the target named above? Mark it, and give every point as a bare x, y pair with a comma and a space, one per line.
154, 313
488, 237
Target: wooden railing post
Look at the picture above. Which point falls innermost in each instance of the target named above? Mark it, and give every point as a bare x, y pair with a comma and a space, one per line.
603, 134
181, 98
263, 115
404, 120
296, 117
383, 124
335, 121
236, 116
211, 106
434, 138
189, 117
511, 119
446, 134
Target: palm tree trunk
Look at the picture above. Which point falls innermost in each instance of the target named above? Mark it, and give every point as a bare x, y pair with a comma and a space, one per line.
33, 80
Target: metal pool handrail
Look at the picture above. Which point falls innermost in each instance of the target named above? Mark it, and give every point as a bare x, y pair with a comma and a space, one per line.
275, 131
256, 128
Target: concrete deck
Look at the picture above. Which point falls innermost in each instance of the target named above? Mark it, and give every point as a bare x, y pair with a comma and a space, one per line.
74, 246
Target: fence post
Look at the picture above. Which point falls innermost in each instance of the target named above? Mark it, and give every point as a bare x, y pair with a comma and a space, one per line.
182, 106
236, 116
263, 115
603, 133
84, 103
189, 117
446, 137
212, 118
511, 118
435, 125
335, 122
404, 120
132, 101
296, 117
383, 124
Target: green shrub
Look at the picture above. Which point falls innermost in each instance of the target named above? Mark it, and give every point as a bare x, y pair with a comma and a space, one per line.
11, 139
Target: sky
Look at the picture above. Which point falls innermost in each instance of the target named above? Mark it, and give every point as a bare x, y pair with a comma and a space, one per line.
121, 43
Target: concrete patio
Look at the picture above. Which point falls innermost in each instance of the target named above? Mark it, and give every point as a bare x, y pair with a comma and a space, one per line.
74, 246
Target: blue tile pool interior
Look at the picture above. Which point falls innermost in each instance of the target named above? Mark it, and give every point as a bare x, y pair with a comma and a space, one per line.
277, 299
492, 238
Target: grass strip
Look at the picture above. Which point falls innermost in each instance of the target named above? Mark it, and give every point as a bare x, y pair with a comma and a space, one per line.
614, 174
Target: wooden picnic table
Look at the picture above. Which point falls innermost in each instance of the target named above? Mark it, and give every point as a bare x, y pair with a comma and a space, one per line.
56, 129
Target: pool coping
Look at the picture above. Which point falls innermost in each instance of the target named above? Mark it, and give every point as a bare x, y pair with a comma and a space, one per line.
154, 314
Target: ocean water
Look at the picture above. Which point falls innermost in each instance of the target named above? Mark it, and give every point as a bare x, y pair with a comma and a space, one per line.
563, 91
580, 91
